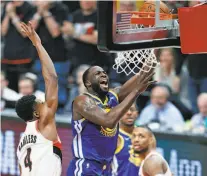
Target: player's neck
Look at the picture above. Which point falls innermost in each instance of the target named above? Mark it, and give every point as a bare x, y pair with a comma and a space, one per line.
127, 129
101, 97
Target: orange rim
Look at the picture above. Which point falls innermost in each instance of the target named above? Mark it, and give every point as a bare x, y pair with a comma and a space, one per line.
148, 18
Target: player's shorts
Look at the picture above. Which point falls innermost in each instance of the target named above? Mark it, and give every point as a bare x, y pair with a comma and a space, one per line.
82, 167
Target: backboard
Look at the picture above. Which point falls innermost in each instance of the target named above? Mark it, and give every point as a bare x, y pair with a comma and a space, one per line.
119, 31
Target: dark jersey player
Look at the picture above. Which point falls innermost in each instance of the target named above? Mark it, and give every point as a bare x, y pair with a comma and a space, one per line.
95, 120
125, 161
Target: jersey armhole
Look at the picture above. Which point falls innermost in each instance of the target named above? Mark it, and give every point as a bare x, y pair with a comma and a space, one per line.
115, 94
121, 144
36, 126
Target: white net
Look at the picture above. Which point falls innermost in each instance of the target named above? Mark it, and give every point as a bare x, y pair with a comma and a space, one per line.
132, 62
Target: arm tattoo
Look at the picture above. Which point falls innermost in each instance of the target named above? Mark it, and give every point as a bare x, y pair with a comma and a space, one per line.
89, 105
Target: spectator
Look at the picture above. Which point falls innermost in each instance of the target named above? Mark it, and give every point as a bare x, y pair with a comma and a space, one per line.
17, 50
165, 74
47, 21
199, 121
161, 111
28, 86
197, 82
77, 89
83, 30
8, 96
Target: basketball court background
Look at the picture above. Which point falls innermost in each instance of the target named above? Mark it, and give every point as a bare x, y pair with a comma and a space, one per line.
185, 153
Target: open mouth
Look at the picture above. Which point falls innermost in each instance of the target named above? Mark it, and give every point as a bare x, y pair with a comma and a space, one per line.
104, 83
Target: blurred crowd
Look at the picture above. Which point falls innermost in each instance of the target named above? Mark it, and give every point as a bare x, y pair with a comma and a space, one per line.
68, 30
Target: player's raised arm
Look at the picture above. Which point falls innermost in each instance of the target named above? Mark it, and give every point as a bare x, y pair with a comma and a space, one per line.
131, 84
48, 70
86, 107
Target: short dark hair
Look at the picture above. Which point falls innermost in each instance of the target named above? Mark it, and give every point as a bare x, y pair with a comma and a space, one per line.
150, 132
85, 76
147, 128
25, 107
165, 86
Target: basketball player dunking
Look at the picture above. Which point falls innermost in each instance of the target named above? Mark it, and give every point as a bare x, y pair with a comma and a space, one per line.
144, 144
39, 149
95, 118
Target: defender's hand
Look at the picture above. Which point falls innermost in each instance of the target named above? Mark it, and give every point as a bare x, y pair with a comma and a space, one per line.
143, 80
29, 31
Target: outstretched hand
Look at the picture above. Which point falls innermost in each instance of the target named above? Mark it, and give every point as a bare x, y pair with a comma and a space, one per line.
29, 31
144, 79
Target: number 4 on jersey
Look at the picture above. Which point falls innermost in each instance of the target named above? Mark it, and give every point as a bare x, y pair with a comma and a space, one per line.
27, 161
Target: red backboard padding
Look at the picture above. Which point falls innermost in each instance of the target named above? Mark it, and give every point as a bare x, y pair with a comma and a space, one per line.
193, 29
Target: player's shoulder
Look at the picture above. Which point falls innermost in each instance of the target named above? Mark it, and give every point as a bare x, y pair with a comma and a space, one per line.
81, 100
154, 159
155, 163
154, 156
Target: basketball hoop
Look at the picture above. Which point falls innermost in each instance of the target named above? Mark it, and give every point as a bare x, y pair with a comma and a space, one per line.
148, 18
132, 62
137, 33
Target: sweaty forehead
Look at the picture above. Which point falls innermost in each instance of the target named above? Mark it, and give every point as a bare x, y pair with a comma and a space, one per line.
139, 130
95, 69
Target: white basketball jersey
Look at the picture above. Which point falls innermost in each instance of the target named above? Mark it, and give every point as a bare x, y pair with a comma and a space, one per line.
37, 155
168, 172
